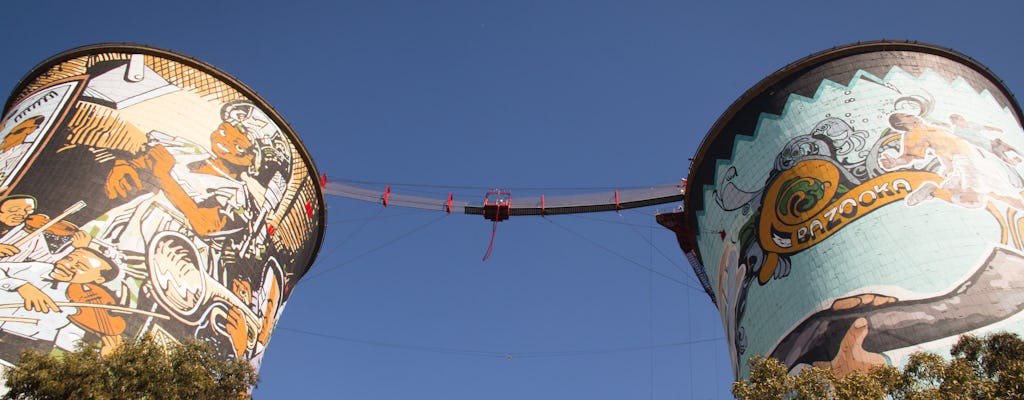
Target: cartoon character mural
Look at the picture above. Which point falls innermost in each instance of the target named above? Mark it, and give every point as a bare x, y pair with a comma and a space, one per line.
873, 211
182, 206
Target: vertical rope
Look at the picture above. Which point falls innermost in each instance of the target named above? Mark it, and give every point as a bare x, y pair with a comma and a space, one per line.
689, 335
650, 305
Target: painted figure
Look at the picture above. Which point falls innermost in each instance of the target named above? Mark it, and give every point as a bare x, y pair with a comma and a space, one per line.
20, 236
13, 147
971, 175
232, 330
78, 277
976, 134
199, 199
209, 189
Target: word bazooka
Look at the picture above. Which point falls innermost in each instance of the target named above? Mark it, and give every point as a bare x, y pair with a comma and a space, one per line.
859, 205
145, 193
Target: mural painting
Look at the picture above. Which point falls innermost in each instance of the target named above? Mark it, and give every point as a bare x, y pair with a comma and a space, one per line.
876, 215
144, 193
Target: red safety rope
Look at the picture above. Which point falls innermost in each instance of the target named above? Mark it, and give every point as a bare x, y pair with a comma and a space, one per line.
490, 246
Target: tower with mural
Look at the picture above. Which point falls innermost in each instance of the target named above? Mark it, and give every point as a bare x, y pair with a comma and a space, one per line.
859, 205
146, 193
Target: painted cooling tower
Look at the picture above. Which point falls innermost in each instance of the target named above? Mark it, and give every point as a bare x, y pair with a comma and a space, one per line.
859, 205
143, 192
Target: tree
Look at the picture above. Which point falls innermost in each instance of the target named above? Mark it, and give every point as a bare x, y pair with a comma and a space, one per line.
770, 380
138, 369
980, 368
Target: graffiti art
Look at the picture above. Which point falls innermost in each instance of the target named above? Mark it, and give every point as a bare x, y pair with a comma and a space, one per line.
145, 193
862, 204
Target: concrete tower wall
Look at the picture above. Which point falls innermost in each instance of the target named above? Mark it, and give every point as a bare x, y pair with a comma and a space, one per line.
180, 205
862, 204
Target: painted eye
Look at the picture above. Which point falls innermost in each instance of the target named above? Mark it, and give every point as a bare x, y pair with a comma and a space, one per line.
239, 148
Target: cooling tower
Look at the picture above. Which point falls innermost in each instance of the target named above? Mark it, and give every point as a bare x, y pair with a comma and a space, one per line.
146, 193
859, 205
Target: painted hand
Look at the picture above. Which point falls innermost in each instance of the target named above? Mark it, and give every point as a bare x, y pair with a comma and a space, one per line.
110, 345
8, 250
867, 299
36, 300
80, 239
122, 180
851, 356
237, 330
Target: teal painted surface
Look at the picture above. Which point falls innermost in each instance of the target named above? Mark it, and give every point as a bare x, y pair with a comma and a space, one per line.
910, 254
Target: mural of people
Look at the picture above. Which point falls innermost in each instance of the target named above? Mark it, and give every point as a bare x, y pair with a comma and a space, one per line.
13, 147
229, 329
22, 239
207, 188
193, 213
75, 278
972, 174
977, 134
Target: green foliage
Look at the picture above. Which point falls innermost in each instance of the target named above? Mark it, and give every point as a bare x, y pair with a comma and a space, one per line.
768, 380
140, 369
981, 368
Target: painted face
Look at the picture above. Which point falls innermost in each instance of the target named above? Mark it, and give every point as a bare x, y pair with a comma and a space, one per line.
242, 289
79, 266
20, 132
231, 145
905, 121
15, 211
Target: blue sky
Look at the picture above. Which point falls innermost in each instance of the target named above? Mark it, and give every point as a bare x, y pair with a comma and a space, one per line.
466, 95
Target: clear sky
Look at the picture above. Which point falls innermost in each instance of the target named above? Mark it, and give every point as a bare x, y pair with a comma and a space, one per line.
465, 95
